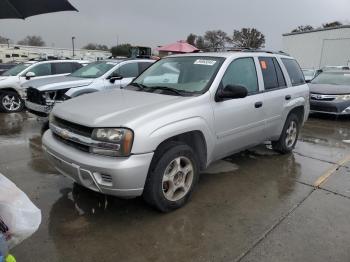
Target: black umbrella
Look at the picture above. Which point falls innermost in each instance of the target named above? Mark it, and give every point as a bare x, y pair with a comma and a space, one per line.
24, 8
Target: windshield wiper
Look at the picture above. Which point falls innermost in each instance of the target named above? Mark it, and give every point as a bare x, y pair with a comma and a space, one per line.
141, 86
165, 88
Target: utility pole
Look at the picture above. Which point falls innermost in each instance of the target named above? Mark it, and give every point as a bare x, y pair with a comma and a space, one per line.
73, 38
8, 42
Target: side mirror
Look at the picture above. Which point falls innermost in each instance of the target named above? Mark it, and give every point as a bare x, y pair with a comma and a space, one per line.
308, 81
112, 79
29, 75
231, 92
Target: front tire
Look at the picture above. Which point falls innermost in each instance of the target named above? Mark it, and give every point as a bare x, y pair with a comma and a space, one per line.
10, 102
172, 177
289, 137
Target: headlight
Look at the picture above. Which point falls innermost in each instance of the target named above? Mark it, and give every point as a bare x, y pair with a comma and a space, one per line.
118, 141
343, 97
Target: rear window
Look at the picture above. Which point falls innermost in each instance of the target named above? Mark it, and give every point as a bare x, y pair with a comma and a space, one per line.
294, 71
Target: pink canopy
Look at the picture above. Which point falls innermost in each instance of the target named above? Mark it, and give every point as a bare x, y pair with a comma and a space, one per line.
178, 47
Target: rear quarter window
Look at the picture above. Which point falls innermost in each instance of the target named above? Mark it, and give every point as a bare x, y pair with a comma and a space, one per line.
295, 73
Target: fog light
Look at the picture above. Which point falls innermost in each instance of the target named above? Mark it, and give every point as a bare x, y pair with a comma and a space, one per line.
346, 110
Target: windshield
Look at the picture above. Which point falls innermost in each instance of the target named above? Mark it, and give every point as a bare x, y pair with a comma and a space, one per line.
95, 69
332, 78
308, 73
16, 70
192, 74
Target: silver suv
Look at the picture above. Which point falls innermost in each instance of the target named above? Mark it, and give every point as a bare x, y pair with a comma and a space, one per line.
153, 137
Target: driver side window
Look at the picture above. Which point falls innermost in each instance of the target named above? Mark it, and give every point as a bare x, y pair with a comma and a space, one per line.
242, 72
41, 70
128, 70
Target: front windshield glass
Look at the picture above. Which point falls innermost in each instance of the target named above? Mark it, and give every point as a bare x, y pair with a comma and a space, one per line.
16, 69
192, 74
308, 73
94, 70
332, 78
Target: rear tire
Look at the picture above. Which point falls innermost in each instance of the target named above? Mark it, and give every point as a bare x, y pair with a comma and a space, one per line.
10, 102
289, 137
172, 177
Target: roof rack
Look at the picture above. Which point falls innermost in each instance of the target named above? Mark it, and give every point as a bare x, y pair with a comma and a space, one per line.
254, 50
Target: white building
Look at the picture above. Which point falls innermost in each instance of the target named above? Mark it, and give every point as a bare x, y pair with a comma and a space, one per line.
320, 47
21, 53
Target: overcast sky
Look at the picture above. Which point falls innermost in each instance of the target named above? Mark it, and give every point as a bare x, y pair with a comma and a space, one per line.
159, 22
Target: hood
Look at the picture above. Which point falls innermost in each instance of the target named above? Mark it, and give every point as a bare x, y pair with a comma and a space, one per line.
3, 77
113, 108
58, 83
8, 81
329, 89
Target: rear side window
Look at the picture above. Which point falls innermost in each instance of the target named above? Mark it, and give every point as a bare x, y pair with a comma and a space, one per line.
129, 70
272, 73
294, 71
62, 68
242, 72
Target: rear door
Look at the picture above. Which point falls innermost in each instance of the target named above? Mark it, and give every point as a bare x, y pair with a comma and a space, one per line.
239, 123
275, 94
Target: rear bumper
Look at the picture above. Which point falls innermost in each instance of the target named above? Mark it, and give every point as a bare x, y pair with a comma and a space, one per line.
330, 107
122, 177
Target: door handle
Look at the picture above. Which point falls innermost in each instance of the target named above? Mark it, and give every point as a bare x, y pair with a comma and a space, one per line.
258, 104
288, 97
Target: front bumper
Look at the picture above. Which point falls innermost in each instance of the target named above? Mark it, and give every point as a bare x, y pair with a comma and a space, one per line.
330, 107
39, 110
122, 177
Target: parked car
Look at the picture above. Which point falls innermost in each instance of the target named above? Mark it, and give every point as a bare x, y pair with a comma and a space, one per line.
330, 93
334, 68
42, 95
11, 80
153, 137
5, 66
309, 74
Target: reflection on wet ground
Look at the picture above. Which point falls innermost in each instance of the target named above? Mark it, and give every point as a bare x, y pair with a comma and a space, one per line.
244, 207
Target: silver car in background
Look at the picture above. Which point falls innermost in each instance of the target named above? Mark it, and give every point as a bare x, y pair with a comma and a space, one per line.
42, 95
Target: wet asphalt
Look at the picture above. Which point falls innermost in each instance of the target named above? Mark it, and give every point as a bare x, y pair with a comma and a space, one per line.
253, 206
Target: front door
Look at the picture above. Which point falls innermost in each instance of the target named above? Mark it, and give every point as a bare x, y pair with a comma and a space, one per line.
239, 123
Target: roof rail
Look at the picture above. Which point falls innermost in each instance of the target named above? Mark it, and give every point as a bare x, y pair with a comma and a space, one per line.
254, 50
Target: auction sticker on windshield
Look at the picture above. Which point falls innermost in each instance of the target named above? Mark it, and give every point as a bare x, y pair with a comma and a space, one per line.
204, 62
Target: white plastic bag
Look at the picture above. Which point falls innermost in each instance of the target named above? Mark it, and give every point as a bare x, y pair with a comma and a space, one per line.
20, 215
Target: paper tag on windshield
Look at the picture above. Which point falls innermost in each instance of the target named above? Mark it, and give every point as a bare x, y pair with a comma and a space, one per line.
205, 62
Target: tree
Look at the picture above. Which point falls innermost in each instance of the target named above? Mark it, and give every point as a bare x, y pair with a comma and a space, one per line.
3, 40
216, 39
248, 37
191, 39
92, 46
303, 28
32, 40
200, 43
121, 50
332, 24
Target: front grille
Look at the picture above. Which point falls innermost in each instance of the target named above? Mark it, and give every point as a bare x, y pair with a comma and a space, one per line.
73, 127
324, 108
35, 96
72, 143
321, 97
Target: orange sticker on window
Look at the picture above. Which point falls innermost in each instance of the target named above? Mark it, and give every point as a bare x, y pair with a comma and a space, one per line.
263, 64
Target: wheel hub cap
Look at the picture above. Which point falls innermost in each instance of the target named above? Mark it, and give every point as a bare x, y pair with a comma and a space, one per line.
11, 103
177, 178
291, 132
